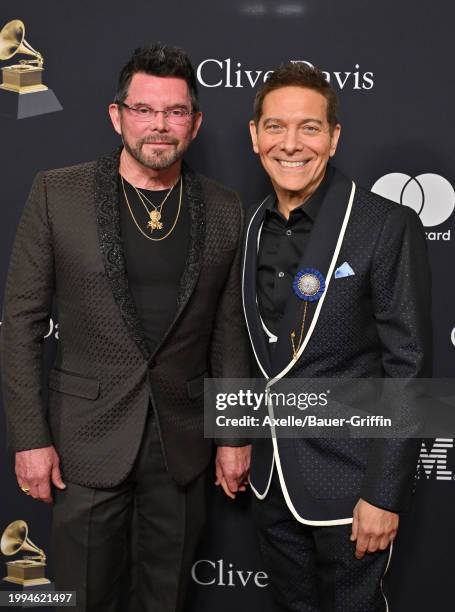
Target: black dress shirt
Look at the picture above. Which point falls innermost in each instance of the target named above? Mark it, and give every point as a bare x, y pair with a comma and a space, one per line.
154, 268
281, 247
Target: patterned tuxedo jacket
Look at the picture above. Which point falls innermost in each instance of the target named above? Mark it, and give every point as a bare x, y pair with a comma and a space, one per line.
68, 247
375, 323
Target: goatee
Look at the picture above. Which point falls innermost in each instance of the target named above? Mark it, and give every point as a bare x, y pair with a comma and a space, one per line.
158, 159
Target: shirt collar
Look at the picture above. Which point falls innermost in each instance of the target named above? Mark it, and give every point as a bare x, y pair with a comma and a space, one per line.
313, 204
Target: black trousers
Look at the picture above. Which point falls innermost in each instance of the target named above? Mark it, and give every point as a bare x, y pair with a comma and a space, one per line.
129, 548
313, 569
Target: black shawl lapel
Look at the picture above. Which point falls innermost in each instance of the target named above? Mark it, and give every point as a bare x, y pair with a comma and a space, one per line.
196, 211
108, 221
249, 280
318, 254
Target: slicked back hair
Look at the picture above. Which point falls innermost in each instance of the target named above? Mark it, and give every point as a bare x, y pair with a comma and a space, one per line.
161, 60
298, 74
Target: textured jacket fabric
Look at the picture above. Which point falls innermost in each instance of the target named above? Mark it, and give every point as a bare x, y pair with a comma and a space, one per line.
375, 323
68, 247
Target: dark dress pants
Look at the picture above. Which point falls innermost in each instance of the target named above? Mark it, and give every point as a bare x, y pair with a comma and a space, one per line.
313, 569
129, 548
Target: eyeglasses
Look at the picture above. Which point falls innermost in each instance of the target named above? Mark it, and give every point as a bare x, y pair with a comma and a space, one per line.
142, 112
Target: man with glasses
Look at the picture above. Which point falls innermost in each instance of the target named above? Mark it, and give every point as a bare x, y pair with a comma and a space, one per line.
142, 257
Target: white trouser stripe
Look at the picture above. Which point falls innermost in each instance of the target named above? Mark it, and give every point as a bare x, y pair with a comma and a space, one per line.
387, 609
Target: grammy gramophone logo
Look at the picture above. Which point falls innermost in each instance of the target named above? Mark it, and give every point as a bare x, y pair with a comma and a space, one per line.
30, 570
27, 95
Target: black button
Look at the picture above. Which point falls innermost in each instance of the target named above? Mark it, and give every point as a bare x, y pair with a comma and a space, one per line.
152, 363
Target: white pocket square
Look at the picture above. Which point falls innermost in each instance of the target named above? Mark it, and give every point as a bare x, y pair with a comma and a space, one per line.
344, 270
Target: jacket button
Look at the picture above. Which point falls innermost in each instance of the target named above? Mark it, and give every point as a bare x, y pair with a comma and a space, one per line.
152, 363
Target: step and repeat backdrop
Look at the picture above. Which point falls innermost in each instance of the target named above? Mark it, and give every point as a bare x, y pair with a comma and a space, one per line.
392, 67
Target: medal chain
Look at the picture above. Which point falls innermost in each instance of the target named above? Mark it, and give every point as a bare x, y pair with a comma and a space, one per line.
302, 329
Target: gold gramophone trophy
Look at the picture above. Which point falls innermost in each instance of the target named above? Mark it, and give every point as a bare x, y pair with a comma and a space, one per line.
25, 77
28, 571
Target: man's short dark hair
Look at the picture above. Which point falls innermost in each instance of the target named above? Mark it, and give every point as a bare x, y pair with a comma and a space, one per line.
162, 60
299, 74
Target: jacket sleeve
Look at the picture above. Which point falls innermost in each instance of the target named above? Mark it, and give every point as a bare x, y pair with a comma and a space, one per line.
401, 295
26, 313
230, 353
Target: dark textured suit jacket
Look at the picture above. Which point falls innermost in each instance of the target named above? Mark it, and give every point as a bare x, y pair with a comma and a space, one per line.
375, 323
68, 246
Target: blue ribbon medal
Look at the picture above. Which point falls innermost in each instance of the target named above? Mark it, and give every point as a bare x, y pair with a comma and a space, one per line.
308, 285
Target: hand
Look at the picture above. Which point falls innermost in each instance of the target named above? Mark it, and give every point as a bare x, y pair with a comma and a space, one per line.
372, 528
232, 468
36, 469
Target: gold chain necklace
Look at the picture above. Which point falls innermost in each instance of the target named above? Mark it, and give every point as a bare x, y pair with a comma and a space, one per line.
295, 351
149, 224
155, 215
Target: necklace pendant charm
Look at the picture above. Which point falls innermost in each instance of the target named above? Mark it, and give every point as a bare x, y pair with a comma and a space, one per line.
155, 222
154, 215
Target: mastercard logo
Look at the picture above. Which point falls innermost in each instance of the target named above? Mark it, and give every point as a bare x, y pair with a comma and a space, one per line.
430, 195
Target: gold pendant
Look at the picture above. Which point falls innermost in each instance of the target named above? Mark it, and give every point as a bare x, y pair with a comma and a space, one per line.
154, 222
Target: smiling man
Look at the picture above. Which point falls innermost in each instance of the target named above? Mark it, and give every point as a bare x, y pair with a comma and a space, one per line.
142, 257
336, 284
